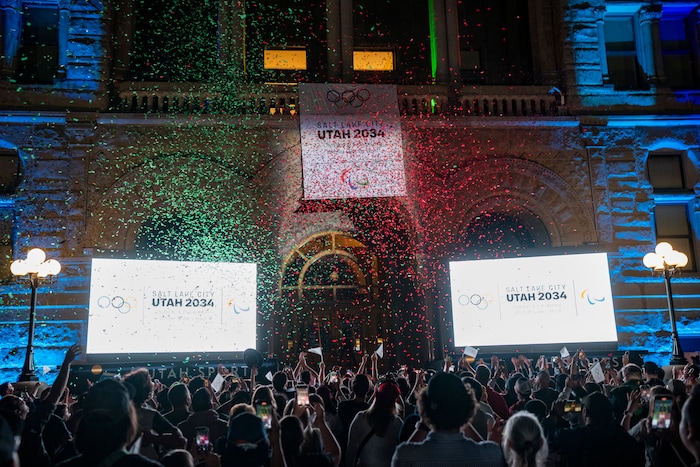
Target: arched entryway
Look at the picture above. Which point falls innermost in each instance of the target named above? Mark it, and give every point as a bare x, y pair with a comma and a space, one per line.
330, 298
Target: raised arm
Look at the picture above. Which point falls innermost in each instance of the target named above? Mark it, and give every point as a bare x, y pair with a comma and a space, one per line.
59, 386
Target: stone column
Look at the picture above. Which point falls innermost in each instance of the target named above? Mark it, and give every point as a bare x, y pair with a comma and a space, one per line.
333, 40
123, 39
602, 50
437, 17
232, 48
650, 54
63, 27
346, 39
452, 35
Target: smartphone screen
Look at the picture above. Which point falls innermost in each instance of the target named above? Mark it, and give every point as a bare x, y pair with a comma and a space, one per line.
201, 438
264, 411
661, 413
572, 406
644, 393
302, 396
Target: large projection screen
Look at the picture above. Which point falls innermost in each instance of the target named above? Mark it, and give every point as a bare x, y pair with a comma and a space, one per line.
532, 301
164, 307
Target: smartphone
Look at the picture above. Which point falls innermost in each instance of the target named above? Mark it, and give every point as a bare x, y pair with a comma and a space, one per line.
264, 411
333, 377
302, 396
661, 412
644, 393
572, 406
201, 438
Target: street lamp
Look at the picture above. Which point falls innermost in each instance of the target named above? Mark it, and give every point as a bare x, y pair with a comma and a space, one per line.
666, 261
37, 267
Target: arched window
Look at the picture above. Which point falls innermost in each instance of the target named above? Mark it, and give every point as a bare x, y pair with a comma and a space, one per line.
330, 267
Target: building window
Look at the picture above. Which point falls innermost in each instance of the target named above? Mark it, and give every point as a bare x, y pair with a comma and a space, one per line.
290, 59
175, 40
666, 172
672, 226
624, 70
680, 68
285, 41
38, 52
671, 176
393, 39
494, 42
373, 60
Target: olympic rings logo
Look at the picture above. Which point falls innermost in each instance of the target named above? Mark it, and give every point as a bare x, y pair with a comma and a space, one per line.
117, 302
345, 98
476, 300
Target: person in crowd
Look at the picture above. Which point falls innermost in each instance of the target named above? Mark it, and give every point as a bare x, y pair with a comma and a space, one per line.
247, 442
524, 443
177, 458
203, 415
650, 374
601, 441
35, 436
107, 427
6, 389
156, 433
631, 381
483, 416
351, 407
445, 406
690, 424
493, 398
374, 432
523, 389
689, 376
662, 443
10, 436
180, 400
279, 386
301, 447
327, 394
543, 390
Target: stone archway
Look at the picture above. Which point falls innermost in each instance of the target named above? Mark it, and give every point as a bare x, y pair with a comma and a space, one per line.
546, 204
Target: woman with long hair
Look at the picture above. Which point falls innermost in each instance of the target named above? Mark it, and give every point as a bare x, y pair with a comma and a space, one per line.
524, 444
374, 433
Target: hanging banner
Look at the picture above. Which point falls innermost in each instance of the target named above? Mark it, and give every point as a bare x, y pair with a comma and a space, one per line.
351, 141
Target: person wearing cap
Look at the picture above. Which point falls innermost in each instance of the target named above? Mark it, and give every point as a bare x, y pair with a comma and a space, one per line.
374, 433
445, 406
523, 389
601, 441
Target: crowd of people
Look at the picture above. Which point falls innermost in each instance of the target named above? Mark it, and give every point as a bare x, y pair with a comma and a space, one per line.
485, 412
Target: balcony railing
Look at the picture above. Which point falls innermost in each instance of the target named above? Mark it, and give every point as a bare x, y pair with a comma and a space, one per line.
185, 98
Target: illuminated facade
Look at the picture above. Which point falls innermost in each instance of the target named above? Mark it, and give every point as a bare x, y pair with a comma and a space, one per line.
169, 129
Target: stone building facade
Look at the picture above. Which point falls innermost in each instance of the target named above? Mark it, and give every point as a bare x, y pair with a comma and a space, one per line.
552, 126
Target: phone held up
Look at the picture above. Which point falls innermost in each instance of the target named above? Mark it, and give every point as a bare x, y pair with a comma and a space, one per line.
572, 406
661, 406
264, 411
201, 438
302, 395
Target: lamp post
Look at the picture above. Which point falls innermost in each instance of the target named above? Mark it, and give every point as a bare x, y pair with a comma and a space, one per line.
37, 267
666, 261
